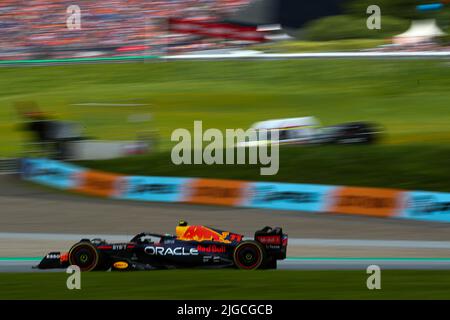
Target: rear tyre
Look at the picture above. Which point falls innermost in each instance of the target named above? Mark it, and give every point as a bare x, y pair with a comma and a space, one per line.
84, 255
249, 255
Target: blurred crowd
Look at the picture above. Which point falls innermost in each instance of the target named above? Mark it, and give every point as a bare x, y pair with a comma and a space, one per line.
38, 28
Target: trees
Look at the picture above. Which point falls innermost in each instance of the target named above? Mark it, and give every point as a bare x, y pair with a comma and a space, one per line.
352, 27
403, 9
396, 16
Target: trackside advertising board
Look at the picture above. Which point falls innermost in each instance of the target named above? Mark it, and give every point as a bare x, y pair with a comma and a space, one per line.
100, 184
51, 173
428, 206
216, 192
288, 196
374, 202
160, 189
384, 203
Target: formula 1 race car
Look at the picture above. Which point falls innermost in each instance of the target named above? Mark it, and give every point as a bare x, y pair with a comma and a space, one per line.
191, 247
308, 131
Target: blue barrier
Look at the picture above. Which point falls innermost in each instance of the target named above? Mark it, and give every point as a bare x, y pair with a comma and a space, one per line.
418, 205
430, 7
50, 173
162, 189
289, 196
427, 206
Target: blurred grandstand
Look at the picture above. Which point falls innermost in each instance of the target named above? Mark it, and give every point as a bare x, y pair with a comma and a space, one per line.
37, 28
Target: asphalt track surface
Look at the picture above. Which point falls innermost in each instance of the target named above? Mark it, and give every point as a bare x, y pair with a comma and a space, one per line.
324, 241
18, 266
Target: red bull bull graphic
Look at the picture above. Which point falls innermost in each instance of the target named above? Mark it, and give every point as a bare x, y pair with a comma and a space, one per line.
201, 233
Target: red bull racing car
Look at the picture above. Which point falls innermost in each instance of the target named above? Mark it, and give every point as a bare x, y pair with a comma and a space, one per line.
191, 247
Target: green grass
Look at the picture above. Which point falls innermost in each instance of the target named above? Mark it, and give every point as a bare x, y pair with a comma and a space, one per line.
409, 97
228, 284
292, 46
422, 167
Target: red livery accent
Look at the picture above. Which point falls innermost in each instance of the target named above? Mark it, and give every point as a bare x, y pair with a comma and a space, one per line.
64, 257
269, 239
104, 247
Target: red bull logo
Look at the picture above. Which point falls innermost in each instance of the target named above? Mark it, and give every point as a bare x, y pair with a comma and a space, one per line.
211, 249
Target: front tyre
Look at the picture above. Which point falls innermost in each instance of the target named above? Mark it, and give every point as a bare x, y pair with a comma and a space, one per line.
84, 255
249, 255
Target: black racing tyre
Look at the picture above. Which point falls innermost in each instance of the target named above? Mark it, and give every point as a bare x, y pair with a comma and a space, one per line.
84, 255
249, 255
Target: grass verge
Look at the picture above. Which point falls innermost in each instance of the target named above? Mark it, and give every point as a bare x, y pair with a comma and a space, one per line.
412, 167
320, 46
228, 284
408, 97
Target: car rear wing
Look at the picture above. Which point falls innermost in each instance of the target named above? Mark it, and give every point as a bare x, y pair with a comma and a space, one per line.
274, 240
